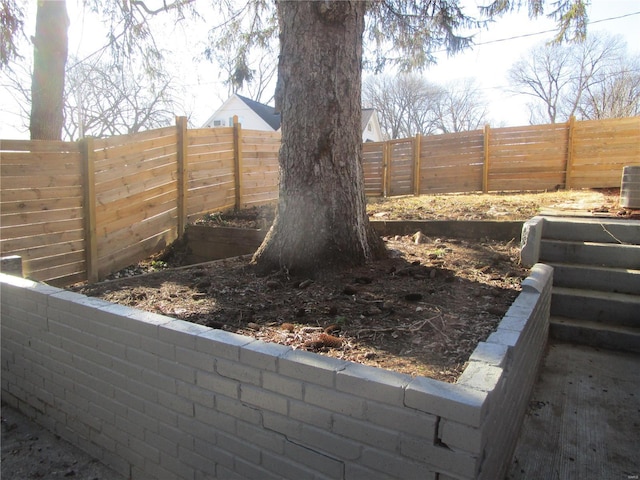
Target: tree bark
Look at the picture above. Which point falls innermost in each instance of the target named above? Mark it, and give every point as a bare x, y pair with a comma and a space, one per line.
321, 220
49, 59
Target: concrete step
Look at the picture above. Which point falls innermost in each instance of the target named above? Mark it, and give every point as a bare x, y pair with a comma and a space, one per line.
605, 307
597, 230
596, 334
590, 253
604, 279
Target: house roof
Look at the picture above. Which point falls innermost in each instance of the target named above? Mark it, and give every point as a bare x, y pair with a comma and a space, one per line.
366, 116
266, 112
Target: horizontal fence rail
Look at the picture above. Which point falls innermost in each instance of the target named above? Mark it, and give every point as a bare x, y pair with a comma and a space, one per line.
80, 210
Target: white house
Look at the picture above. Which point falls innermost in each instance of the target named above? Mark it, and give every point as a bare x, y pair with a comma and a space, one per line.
258, 116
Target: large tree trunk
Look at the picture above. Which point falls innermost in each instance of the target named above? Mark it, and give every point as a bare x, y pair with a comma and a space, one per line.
49, 59
321, 220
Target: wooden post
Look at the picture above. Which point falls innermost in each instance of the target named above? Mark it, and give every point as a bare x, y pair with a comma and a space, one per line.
183, 175
89, 207
571, 124
485, 166
416, 164
386, 168
237, 160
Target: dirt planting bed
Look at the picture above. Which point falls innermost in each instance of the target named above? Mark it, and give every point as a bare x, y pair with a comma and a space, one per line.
422, 311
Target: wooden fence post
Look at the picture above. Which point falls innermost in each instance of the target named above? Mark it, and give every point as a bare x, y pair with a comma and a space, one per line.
416, 164
237, 159
485, 165
182, 160
571, 124
386, 168
89, 207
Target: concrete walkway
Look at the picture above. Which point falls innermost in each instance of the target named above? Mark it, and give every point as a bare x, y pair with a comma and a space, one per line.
584, 417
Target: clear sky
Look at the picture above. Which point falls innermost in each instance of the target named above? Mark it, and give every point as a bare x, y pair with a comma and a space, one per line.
497, 49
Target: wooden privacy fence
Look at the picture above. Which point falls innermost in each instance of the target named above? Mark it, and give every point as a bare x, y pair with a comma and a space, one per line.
77, 211
587, 154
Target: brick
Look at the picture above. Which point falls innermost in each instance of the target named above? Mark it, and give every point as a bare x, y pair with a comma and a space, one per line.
130, 400
158, 347
217, 384
372, 383
164, 383
176, 403
276, 383
281, 424
439, 458
176, 370
238, 447
335, 401
204, 467
249, 470
481, 376
160, 413
111, 348
395, 465
134, 320
141, 358
262, 399
285, 467
402, 419
262, 355
219, 343
366, 432
146, 451
238, 371
181, 333
199, 360
324, 440
215, 418
158, 470
461, 437
174, 465
261, 437
491, 354
223, 472
198, 430
163, 444
310, 367
508, 338
318, 462
238, 409
310, 414
196, 394
447, 400
354, 471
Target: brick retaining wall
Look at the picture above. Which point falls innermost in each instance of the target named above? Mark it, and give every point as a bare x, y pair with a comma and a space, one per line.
155, 397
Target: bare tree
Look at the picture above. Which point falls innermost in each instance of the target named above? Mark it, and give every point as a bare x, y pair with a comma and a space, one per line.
460, 107
556, 77
103, 100
408, 104
613, 94
403, 103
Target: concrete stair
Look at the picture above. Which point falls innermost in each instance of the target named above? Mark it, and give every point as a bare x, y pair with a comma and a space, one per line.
596, 293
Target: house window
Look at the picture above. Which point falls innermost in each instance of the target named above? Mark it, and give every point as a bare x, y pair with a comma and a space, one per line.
369, 127
218, 123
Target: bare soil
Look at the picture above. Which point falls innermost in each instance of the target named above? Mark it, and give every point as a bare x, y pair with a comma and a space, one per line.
422, 311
